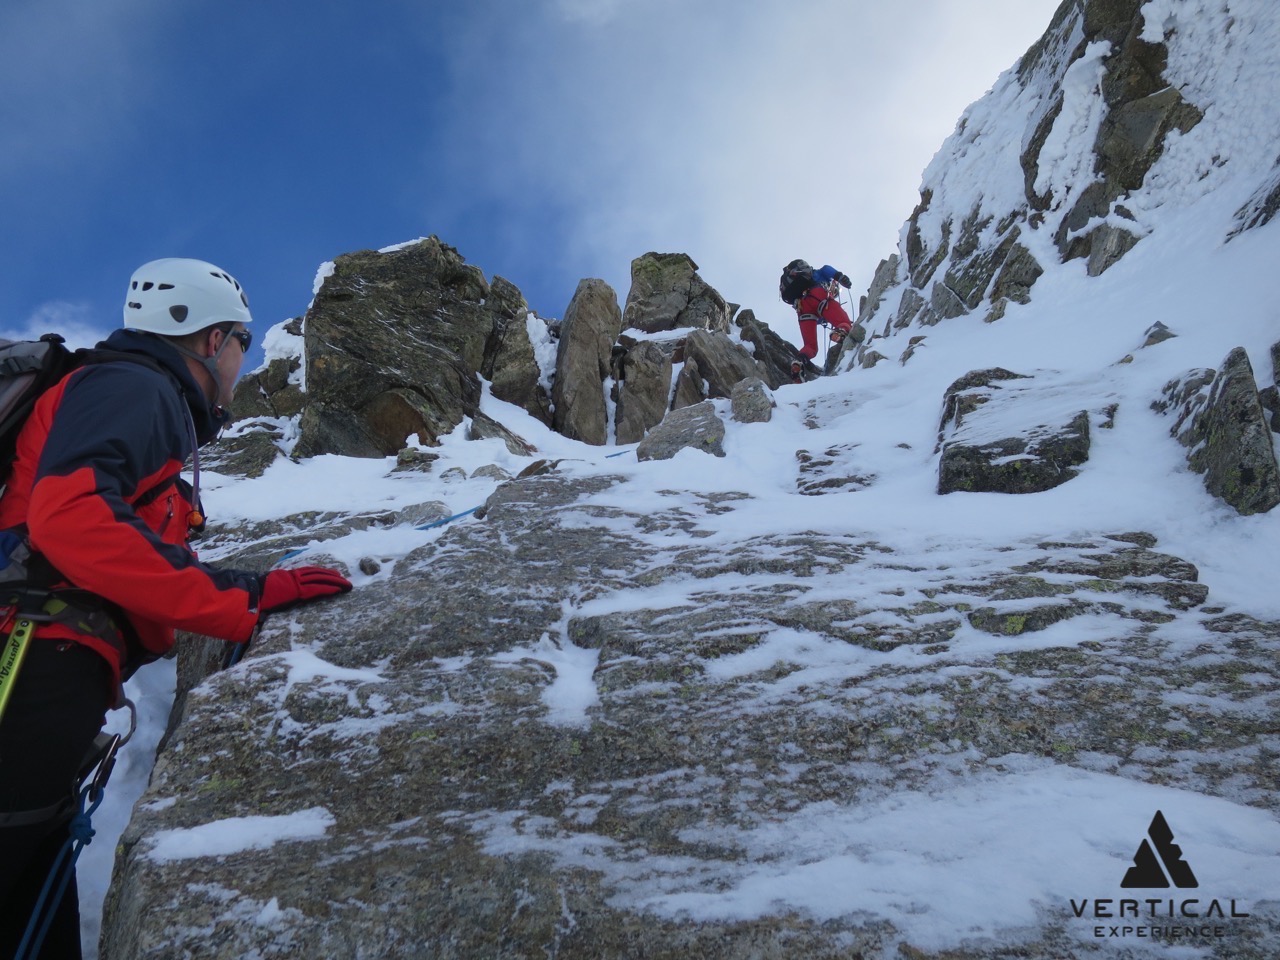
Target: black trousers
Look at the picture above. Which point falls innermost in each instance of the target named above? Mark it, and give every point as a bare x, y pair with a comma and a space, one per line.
57, 707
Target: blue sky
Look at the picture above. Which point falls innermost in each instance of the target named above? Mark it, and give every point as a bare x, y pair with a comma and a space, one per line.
548, 140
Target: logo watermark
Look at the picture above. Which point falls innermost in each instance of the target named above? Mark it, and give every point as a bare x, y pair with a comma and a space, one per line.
1159, 864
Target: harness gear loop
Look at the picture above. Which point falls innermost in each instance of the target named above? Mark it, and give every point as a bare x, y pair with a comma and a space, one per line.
15, 651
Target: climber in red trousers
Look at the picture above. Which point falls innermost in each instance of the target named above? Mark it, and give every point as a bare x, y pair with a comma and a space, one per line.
815, 296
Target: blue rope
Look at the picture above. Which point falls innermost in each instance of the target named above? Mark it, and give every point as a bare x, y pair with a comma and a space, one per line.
80, 834
456, 516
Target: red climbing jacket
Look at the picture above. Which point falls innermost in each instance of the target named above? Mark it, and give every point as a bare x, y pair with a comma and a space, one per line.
96, 496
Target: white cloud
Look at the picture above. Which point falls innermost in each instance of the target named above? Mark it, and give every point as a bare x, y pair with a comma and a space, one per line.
76, 323
744, 134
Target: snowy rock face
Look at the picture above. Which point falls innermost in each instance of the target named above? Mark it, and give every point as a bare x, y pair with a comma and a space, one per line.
1072, 133
1093, 141
546, 730
1051, 166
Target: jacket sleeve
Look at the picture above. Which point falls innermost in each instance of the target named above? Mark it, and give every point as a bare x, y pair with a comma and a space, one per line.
117, 432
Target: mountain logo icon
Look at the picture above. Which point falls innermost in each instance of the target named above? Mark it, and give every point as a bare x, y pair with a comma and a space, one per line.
1159, 860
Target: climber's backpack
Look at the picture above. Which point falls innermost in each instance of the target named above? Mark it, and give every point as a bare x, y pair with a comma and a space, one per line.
797, 278
27, 369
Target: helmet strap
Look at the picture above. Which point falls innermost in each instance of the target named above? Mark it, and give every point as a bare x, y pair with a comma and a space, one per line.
210, 365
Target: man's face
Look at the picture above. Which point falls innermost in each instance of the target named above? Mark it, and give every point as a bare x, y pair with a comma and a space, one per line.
230, 353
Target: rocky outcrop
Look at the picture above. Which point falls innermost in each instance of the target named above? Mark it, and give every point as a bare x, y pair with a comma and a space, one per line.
667, 294
1218, 415
509, 363
705, 361
988, 444
690, 428
591, 325
394, 342
275, 391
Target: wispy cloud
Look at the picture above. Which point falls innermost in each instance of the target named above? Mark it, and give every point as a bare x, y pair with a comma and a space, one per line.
75, 321
73, 75
744, 134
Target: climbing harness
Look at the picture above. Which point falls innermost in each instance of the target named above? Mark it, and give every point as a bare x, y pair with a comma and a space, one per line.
29, 607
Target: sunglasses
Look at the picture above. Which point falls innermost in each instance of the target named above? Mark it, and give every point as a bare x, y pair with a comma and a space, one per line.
243, 337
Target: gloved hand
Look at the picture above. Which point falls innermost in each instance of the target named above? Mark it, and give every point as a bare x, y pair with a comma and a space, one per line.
285, 588
844, 281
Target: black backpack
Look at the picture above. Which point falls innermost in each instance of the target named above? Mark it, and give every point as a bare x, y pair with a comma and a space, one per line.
30, 367
797, 278
27, 369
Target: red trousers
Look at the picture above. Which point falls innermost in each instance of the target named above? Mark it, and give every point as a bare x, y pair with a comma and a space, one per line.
817, 305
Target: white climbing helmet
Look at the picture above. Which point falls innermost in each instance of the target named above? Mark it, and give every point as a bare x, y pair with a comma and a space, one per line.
176, 296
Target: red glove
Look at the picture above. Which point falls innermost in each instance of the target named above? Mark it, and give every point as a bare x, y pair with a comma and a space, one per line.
285, 588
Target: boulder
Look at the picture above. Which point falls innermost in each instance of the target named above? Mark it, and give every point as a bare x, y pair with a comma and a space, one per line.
591, 324
667, 294
722, 362
752, 401
694, 428
393, 343
1219, 417
644, 390
989, 445
484, 427
1157, 333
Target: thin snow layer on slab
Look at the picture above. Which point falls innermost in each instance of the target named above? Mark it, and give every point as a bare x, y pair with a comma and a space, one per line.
235, 834
572, 690
972, 859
